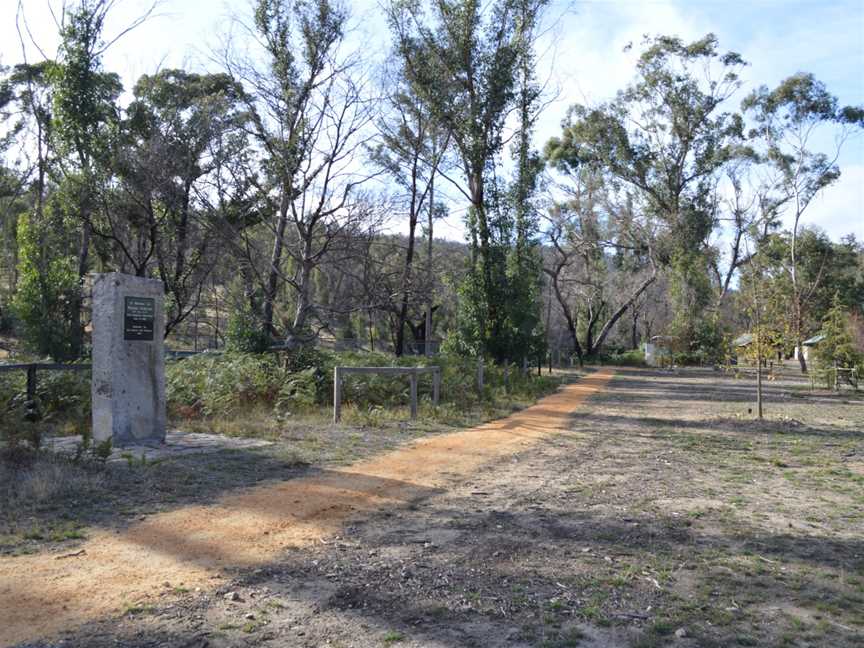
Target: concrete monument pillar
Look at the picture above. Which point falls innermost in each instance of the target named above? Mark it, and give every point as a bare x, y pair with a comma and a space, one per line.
128, 387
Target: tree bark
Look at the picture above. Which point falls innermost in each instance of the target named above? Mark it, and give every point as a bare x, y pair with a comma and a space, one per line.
304, 285
622, 309
409, 259
272, 284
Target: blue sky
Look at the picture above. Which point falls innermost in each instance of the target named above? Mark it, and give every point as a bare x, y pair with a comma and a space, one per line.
581, 55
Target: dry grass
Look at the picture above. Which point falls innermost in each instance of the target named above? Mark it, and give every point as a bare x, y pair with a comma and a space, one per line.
47, 492
48, 481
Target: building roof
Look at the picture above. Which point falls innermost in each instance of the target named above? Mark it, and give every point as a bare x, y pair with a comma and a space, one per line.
742, 340
813, 341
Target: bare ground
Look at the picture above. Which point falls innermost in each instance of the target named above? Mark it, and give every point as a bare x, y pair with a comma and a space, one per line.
664, 515
199, 545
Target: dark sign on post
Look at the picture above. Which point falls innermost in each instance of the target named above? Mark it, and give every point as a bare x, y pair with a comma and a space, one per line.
138, 316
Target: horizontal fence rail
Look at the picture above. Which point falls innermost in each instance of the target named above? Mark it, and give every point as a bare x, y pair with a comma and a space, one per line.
411, 372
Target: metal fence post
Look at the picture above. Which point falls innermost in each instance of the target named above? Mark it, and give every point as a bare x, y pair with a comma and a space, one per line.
436, 385
337, 394
480, 375
507, 377
414, 395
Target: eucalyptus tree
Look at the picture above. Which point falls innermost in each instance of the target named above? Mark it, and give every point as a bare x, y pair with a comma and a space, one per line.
463, 58
748, 203
667, 136
411, 146
310, 116
25, 134
600, 258
825, 269
169, 190
84, 114
45, 278
789, 120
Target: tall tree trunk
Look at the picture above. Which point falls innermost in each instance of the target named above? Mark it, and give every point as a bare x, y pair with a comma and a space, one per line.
799, 334
273, 273
476, 190
77, 305
406, 289
409, 259
796, 293
304, 285
622, 309
590, 349
427, 346
568, 314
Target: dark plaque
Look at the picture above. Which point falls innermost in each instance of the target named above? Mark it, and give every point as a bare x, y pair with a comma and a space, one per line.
138, 317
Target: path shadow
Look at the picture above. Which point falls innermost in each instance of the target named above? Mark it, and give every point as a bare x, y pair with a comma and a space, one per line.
512, 552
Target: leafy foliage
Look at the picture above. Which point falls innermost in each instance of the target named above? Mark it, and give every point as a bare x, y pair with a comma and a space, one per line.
244, 333
48, 285
666, 136
837, 346
471, 67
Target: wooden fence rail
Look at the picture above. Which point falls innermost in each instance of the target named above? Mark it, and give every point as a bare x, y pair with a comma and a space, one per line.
412, 372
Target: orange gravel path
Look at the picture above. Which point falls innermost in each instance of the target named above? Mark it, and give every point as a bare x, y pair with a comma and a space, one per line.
43, 594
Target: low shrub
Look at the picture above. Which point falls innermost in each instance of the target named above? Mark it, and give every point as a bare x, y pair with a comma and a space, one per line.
244, 334
216, 384
228, 385
301, 379
300, 390
690, 359
62, 404
632, 358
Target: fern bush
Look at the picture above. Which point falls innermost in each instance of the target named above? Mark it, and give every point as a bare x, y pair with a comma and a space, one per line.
227, 385
214, 385
221, 384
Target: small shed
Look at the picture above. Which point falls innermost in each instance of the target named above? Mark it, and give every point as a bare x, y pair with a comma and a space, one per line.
658, 352
743, 341
808, 345
739, 344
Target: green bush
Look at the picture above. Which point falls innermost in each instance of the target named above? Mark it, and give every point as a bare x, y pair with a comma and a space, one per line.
64, 393
632, 358
304, 357
49, 290
244, 334
688, 359
212, 384
300, 391
63, 407
62, 402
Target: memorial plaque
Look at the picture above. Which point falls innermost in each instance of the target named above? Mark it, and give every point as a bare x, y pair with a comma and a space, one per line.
138, 316
128, 385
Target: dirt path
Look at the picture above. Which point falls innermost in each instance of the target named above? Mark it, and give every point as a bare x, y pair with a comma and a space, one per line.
201, 546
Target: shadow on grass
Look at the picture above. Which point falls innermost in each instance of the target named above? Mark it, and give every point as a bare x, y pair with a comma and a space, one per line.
731, 433
520, 577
